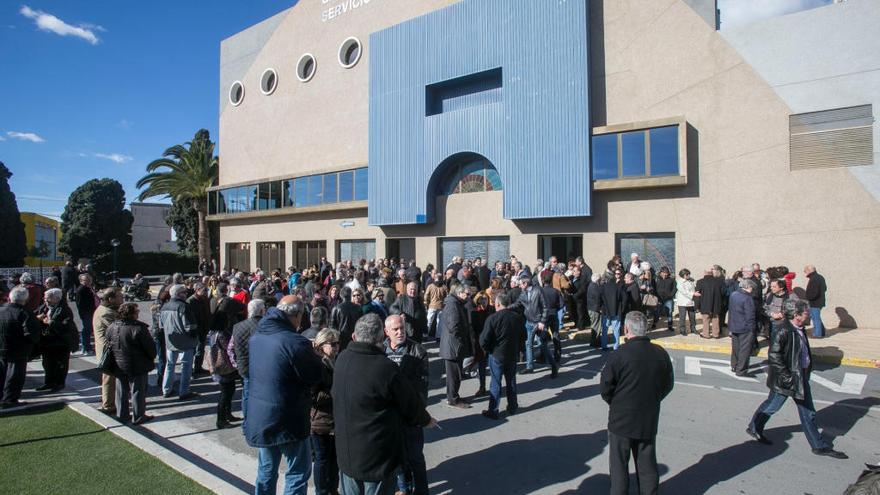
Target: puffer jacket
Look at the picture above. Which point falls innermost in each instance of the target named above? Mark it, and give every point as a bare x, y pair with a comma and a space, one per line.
786, 376
684, 292
133, 348
322, 401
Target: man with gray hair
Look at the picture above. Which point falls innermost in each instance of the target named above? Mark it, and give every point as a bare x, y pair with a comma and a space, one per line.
634, 381
19, 332
282, 369
241, 334
181, 338
372, 401
741, 323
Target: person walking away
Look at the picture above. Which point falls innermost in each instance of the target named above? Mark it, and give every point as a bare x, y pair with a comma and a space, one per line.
741, 323
579, 288
435, 293
282, 368
665, 285
791, 363
69, 280
59, 337
455, 343
86, 304
181, 339
711, 295
412, 359
500, 339
241, 334
105, 314
816, 289
555, 305
372, 401
633, 382
135, 353
480, 313
322, 439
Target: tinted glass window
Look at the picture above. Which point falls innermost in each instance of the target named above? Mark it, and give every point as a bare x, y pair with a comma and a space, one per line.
301, 192
330, 195
664, 150
346, 186
633, 156
360, 184
604, 156
316, 189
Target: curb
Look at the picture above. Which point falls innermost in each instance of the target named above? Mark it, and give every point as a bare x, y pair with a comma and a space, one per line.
720, 349
166, 456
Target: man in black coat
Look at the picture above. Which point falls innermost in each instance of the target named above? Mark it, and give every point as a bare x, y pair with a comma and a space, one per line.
634, 381
455, 343
482, 272
19, 332
711, 292
790, 365
241, 335
69, 277
343, 317
613, 305
501, 337
579, 286
201, 307
372, 400
816, 296
412, 309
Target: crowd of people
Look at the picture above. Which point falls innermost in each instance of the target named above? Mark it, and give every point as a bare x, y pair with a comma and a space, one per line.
332, 359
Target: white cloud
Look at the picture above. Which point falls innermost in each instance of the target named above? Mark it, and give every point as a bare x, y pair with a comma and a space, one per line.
115, 157
48, 22
125, 124
25, 136
738, 12
35, 197
2, 138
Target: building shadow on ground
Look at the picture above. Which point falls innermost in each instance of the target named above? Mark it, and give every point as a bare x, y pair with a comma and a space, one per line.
728, 463
537, 464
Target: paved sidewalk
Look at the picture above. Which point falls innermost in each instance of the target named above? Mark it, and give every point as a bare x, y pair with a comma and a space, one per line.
842, 346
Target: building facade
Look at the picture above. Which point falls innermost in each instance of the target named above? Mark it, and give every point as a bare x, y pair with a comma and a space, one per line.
41, 235
390, 128
149, 231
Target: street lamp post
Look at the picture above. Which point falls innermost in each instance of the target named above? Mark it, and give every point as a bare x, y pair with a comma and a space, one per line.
115, 243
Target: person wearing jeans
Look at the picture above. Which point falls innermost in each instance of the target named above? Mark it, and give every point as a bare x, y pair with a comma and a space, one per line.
181, 338
612, 300
789, 376
299, 468
501, 339
815, 294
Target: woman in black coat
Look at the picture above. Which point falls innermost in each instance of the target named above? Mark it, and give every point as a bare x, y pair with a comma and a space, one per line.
135, 352
58, 337
322, 438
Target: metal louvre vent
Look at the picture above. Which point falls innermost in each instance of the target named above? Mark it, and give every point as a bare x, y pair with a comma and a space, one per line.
842, 137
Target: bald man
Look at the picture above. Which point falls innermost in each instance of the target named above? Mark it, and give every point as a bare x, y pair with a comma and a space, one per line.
816, 297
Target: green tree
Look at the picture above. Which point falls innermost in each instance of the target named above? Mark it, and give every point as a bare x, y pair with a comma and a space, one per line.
13, 246
184, 219
188, 170
95, 214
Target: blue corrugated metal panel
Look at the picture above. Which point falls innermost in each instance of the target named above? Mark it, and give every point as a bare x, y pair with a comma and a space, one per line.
535, 131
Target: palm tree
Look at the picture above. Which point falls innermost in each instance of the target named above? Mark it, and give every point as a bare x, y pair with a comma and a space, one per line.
191, 169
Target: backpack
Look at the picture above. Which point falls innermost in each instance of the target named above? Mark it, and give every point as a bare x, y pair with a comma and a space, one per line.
218, 359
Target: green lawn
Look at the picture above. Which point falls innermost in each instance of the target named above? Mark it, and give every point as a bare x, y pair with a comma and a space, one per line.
55, 450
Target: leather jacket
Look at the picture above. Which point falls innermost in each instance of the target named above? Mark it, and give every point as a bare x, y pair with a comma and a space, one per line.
533, 303
786, 376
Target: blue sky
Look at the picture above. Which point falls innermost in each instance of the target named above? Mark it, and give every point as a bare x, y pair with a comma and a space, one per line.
100, 88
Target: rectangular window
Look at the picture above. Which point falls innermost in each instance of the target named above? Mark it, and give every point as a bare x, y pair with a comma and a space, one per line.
263, 194
490, 249
238, 256
356, 250
316, 190
288, 193
308, 253
346, 186
649, 152
842, 137
605, 156
330, 195
664, 150
270, 256
361, 185
212, 202
658, 249
249, 198
632, 145
221, 201
301, 192
463, 92
276, 196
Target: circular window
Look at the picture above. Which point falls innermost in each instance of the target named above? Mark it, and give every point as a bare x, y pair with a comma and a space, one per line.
350, 52
268, 82
305, 68
236, 93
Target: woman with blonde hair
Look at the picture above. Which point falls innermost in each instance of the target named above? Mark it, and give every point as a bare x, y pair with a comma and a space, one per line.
322, 438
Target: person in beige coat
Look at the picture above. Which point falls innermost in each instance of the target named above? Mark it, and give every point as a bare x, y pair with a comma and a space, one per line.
105, 315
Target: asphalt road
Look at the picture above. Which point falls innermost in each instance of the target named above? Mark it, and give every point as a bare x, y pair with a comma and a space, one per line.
557, 442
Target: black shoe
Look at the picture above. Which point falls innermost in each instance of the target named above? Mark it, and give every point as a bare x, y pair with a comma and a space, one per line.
142, 420
189, 395
554, 372
58, 388
42, 388
481, 393
829, 452
758, 436
168, 395
742, 373
873, 467
459, 404
221, 425
233, 419
527, 371
512, 410
490, 414
12, 403
201, 372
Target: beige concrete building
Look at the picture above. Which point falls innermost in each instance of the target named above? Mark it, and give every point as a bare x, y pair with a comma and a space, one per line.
149, 231
696, 156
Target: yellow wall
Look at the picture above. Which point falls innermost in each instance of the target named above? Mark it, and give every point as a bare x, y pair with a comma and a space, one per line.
30, 221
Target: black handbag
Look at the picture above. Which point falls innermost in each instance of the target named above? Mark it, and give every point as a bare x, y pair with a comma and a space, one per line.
107, 363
